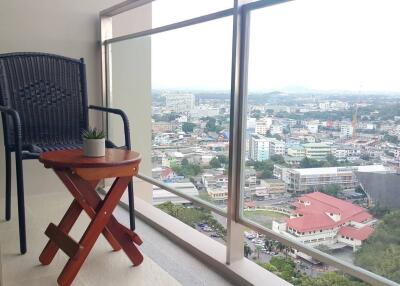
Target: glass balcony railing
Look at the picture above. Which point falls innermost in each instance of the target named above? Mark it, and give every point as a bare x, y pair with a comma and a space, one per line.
277, 117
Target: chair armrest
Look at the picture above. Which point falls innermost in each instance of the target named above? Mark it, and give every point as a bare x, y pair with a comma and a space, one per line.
16, 124
125, 121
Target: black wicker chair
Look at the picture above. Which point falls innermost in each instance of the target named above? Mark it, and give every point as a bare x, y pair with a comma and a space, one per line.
43, 104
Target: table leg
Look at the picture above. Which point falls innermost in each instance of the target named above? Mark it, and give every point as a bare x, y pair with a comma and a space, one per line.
74, 185
93, 231
65, 225
123, 235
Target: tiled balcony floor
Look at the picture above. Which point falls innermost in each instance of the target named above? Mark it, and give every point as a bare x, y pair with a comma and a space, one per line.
103, 266
165, 263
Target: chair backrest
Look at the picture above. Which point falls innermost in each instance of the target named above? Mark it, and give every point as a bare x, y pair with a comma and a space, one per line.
49, 92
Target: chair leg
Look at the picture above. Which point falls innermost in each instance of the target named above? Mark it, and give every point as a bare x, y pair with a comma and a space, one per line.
131, 206
8, 185
21, 202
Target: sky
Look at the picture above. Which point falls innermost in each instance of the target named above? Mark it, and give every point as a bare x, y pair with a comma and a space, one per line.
326, 45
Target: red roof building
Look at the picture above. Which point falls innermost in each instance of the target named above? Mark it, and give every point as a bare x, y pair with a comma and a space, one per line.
322, 219
356, 233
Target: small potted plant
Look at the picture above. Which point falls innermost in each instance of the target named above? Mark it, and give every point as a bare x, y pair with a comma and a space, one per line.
94, 144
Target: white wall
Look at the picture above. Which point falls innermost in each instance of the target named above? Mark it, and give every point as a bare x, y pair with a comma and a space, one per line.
130, 63
65, 27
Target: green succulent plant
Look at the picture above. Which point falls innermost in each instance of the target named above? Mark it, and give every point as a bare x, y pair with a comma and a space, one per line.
93, 133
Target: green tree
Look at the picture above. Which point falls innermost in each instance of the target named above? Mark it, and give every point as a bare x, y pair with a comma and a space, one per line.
365, 157
278, 159
256, 114
379, 211
188, 127
214, 163
258, 250
193, 216
381, 252
310, 163
330, 279
332, 190
168, 117
247, 250
223, 159
391, 138
359, 190
211, 125
186, 169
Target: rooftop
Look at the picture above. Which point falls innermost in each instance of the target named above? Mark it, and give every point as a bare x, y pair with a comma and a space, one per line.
316, 208
356, 233
337, 170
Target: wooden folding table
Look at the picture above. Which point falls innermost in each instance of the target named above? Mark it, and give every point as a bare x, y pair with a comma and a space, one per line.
81, 176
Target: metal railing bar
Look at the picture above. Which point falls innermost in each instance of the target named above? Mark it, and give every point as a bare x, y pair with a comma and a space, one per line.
358, 272
262, 4
192, 199
174, 26
123, 7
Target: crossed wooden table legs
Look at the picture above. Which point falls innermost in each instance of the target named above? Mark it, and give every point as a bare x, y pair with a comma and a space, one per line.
100, 211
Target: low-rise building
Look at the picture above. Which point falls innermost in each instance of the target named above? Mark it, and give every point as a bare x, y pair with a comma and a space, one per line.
305, 179
163, 126
296, 151
320, 219
274, 186
161, 196
179, 102
317, 151
216, 186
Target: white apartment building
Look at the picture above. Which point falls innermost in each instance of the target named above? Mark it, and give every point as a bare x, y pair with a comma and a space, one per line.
258, 148
251, 123
276, 147
276, 129
262, 148
263, 125
180, 102
304, 179
346, 130
312, 127
324, 106
203, 111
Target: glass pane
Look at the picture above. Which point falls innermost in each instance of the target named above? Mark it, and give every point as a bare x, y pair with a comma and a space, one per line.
190, 111
175, 87
164, 12
322, 135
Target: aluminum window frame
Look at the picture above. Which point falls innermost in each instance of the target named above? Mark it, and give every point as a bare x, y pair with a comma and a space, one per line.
239, 74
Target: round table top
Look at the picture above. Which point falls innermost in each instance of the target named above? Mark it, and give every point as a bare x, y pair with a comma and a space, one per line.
76, 159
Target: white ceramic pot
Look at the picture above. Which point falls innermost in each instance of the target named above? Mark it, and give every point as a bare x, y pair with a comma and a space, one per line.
94, 147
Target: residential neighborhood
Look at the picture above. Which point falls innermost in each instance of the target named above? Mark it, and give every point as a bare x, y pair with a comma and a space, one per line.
307, 160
